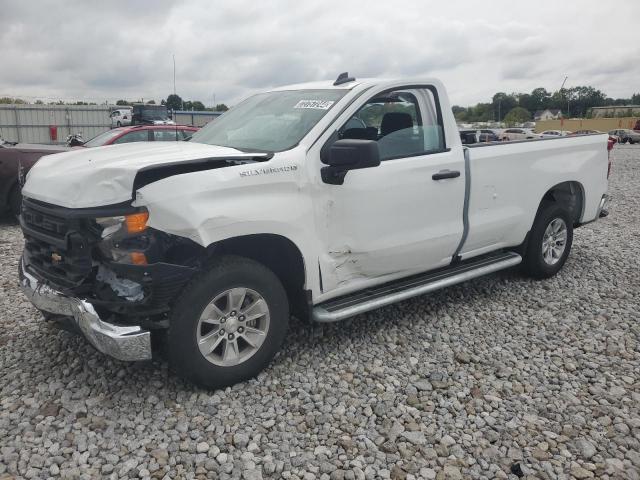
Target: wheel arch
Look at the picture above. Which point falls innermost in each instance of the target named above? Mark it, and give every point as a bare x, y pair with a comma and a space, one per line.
278, 253
570, 194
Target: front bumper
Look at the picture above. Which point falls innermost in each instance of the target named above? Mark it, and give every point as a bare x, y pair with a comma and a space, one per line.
121, 342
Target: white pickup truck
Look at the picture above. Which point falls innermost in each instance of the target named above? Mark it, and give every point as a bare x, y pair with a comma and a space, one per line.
322, 200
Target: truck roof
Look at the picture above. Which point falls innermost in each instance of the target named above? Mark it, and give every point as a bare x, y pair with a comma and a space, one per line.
329, 84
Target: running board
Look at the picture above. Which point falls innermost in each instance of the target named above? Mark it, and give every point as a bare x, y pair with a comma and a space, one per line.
376, 297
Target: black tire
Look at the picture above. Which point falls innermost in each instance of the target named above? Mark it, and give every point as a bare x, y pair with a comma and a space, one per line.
118, 124
534, 263
631, 142
15, 201
225, 273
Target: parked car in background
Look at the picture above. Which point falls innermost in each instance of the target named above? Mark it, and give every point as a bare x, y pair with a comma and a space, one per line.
151, 115
625, 135
142, 133
470, 136
511, 134
554, 133
121, 117
12, 157
21, 157
586, 132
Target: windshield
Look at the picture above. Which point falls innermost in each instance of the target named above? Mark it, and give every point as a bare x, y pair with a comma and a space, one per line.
269, 122
103, 138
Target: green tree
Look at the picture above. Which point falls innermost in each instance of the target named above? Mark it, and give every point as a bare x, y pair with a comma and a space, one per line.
17, 101
174, 102
123, 103
539, 99
194, 105
502, 103
151, 102
517, 115
221, 107
460, 113
582, 98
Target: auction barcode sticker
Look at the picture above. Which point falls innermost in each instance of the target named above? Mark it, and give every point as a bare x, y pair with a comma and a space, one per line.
317, 104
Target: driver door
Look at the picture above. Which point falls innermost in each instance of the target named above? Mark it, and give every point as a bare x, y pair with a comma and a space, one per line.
396, 219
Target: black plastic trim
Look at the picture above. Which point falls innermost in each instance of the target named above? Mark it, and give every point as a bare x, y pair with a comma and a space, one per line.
465, 206
154, 173
92, 212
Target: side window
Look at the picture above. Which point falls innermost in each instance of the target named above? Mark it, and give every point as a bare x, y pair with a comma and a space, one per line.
404, 122
137, 136
164, 135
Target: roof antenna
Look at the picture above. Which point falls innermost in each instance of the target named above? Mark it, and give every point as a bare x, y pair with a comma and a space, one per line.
344, 78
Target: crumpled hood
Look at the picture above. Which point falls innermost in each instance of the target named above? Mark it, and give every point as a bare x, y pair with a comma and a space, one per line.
93, 177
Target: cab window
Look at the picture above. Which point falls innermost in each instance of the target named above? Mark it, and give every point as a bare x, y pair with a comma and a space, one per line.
404, 122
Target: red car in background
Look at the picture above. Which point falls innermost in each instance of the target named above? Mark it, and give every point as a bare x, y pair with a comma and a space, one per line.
14, 156
142, 133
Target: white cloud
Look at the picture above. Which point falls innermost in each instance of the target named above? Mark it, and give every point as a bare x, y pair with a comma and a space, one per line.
123, 49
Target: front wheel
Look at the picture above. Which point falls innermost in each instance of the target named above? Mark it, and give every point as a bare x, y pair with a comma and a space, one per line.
228, 323
549, 242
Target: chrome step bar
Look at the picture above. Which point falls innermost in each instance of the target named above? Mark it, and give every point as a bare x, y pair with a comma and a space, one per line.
403, 289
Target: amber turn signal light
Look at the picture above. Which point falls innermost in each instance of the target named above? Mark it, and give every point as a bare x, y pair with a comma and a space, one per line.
138, 258
137, 222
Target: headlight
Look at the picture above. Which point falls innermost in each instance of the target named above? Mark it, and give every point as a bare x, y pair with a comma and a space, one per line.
123, 238
134, 223
110, 225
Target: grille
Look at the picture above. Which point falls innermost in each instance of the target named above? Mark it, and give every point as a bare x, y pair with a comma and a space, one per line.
54, 247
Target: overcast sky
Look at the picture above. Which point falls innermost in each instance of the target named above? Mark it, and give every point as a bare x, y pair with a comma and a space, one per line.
90, 50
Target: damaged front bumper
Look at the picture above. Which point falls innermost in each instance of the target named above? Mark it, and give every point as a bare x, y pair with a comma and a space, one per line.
127, 343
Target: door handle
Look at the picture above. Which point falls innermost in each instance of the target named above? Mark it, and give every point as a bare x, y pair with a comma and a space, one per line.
442, 174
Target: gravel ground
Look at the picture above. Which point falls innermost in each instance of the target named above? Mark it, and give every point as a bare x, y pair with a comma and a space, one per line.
499, 378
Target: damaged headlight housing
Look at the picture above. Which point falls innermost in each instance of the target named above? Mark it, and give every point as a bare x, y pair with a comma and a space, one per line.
124, 237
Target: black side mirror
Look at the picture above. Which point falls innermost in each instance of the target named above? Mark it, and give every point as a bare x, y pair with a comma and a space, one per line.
348, 154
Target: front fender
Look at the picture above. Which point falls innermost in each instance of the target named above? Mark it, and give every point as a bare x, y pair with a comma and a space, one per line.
214, 205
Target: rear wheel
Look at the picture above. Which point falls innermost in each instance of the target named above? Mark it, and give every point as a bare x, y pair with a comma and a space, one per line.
549, 242
228, 324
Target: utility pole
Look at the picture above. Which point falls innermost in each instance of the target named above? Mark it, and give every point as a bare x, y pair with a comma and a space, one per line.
174, 73
561, 88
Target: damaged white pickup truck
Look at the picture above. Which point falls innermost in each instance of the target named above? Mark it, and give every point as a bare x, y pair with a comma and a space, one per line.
321, 200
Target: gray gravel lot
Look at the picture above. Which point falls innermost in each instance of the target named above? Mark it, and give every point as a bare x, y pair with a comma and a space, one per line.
498, 378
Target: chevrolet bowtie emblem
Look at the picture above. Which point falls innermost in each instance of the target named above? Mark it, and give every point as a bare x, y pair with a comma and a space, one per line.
55, 258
